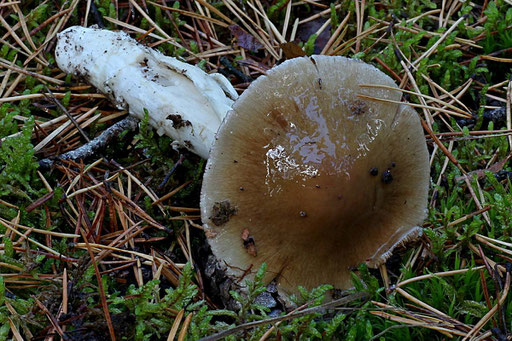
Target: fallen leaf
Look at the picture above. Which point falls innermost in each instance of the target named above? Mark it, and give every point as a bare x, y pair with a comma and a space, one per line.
244, 39
494, 168
292, 50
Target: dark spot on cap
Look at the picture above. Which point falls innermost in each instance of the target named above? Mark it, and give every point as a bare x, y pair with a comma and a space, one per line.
393, 164
387, 178
235, 161
358, 107
222, 212
374, 171
249, 241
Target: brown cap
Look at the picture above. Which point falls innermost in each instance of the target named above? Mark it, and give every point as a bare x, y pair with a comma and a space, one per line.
312, 179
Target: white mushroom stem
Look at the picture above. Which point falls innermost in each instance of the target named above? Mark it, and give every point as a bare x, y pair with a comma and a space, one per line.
182, 100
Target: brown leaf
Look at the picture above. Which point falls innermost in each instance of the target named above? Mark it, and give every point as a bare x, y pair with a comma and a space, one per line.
244, 39
292, 50
494, 168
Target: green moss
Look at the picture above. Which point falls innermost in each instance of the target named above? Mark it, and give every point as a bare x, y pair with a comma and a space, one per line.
18, 162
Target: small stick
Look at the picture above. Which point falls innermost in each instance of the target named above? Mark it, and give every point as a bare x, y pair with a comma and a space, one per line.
491, 312
52, 319
420, 303
475, 199
97, 15
438, 274
184, 328
171, 193
176, 324
96, 144
440, 40
64, 110
101, 291
466, 217
168, 176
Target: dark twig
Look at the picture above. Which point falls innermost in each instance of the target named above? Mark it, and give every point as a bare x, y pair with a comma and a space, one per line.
51, 317
231, 69
103, 297
97, 15
96, 144
64, 110
168, 176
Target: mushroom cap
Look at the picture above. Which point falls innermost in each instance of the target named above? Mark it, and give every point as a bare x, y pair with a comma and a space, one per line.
312, 179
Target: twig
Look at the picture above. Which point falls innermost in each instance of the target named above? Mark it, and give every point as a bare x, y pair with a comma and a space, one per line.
65, 111
103, 297
97, 15
96, 144
491, 312
438, 274
440, 40
231, 69
168, 176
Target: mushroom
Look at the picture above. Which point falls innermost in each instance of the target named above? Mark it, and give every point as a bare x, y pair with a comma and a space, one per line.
304, 175
182, 100
311, 179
